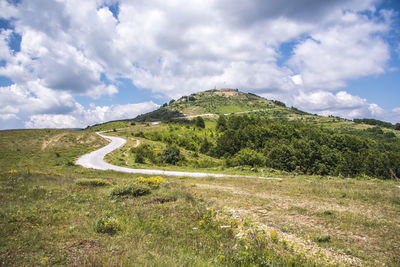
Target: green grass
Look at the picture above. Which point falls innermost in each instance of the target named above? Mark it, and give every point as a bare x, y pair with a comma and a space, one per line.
48, 217
42, 224
35, 149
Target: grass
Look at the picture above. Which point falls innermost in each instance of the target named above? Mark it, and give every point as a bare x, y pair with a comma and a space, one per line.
356, 219
52, 220
48, 218
22, 149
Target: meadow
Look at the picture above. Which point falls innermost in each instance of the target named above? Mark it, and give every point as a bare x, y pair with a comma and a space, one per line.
55, 213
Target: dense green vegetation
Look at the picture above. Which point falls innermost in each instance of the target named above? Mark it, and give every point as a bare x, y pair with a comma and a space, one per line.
378, 123
292, 146
298, 146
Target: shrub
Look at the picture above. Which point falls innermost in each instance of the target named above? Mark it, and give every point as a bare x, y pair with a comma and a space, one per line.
107, 225
171, 155
134, 190
139, 158
323, 238
92, 182
247, 156
143, 152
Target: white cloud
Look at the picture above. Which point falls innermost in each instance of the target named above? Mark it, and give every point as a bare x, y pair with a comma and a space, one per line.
84, 117
5, 53
52, 121
342, 104
346, 51
7, 10
376, 111
179, 47
326, 103
297, 80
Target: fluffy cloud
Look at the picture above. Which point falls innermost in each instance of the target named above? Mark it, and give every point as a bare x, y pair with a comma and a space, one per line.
95, 114
342, 104
326, 103
342, 52
179, 47
36, 106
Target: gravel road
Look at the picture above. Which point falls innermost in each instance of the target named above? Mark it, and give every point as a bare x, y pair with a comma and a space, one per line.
95, 160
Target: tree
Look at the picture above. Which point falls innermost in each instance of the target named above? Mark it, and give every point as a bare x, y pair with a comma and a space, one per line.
205, 146
221, 123
199, 122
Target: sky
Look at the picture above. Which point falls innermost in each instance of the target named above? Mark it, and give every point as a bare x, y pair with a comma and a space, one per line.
73, 63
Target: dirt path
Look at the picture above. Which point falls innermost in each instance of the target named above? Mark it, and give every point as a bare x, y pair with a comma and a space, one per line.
95, 160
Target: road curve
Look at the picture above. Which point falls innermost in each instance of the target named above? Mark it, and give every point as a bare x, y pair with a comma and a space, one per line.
95, 160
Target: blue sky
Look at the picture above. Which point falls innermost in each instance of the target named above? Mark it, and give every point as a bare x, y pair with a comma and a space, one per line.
64, 67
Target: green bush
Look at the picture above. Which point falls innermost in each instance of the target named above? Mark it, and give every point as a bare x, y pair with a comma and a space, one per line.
134, 190
323, 238
199, 122
171, 155
247, 156
143, 152
92, 182
107, 225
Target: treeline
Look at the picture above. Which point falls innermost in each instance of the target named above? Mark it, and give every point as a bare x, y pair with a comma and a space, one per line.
303, 147
384, 124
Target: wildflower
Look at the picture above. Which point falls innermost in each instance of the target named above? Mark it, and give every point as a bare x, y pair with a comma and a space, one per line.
274, 235
45, 260
151, 181
12, 171
221, 257
201, 222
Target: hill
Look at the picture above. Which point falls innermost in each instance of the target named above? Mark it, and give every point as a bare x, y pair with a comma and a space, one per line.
212, 102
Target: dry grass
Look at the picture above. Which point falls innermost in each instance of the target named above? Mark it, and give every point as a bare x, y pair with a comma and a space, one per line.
349, 221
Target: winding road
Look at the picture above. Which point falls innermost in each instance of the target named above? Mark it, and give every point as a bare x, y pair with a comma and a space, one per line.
95, 160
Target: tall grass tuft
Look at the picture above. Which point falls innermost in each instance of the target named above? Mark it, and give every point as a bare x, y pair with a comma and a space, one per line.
134, 190
92, 182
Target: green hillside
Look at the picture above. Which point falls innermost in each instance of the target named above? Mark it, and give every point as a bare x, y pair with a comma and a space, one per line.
207, 103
